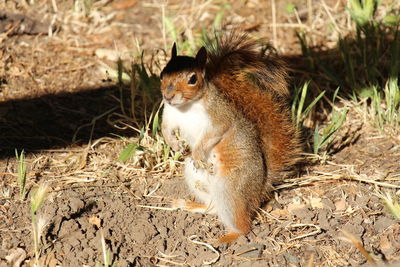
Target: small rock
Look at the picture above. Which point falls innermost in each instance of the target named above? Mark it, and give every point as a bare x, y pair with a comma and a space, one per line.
76, 205
323, 219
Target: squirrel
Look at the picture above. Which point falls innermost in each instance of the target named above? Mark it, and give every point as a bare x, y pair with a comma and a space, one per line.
225, 102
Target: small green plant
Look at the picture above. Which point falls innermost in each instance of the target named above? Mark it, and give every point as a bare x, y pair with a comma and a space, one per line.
290, 8
385, 111
169, 28
143, 85
21, 174
131, 148
127, 152
38, 223
362, 11
385, 105
190, 39
172, 31
326, 137
306, 50
108, 262
392, 204
392, 101
219, 17
299, 111
148, 81
365, 66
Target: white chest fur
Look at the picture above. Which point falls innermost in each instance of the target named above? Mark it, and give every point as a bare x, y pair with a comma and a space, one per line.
192, 120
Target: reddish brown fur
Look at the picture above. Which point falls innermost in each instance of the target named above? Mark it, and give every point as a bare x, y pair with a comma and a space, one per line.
228, 155
257, 85
179, 80
191, 205
242, 216
228, 238
237, 54
242, 223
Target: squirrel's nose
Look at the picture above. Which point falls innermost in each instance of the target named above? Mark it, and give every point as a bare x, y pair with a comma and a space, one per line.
170, 87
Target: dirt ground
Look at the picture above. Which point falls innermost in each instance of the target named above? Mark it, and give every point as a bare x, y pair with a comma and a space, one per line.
58, 104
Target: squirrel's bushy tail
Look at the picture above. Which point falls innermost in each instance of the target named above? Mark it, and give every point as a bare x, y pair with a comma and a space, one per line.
236, 53
256, 84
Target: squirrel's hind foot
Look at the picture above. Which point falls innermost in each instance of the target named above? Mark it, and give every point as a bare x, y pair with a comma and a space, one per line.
190, 206
226, 239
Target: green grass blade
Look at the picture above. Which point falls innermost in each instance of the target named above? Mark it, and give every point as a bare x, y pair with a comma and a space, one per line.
312, 104
316, 137
141, 135
156, 124
21, 178
170, 27
301, 104
127, 152
337, 121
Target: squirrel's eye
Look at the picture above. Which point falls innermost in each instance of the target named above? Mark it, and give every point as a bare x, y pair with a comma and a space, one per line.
193, 79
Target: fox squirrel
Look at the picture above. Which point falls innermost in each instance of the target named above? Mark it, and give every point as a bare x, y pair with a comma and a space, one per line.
230, 105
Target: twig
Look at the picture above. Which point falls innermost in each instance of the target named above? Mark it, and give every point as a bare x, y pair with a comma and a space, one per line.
191, 239
155, 207
359, 246
317, 231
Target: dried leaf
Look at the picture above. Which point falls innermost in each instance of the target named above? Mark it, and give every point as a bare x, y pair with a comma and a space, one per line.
341, 205
279, 213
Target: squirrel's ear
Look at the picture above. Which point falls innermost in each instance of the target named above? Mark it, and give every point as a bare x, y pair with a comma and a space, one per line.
201, 57
173, 51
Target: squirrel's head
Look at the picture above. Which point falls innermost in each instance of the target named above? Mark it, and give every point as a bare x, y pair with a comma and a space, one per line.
182, 79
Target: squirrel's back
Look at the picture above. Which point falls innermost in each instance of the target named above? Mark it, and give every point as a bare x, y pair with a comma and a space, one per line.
256, 84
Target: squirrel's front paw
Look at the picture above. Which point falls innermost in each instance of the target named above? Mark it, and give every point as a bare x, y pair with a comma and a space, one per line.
199, 159
209, 167
199, 164
178, 146
183, 147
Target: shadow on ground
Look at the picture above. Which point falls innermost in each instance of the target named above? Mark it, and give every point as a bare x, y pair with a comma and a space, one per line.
57, 121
